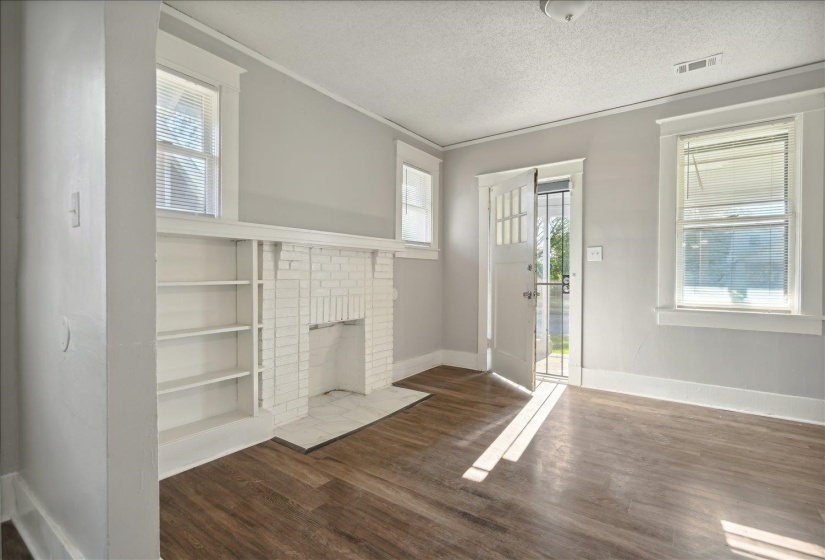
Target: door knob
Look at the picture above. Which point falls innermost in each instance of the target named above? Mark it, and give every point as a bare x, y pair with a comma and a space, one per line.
528, 295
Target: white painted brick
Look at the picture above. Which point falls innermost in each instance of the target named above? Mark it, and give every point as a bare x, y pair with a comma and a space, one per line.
289, 274
285, 360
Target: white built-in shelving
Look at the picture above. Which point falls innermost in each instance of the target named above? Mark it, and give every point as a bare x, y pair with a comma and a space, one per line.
208, 334
209, 328
201, 331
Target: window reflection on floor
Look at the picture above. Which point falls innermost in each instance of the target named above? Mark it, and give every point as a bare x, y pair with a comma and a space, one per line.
518, 434
749, 542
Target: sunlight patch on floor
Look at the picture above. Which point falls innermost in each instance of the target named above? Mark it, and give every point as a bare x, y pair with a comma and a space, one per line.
518, 434
763, 545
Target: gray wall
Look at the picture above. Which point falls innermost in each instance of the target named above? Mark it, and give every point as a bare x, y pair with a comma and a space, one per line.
621, 213
131, 360
308, 161
87, 416
62, 396
9, 224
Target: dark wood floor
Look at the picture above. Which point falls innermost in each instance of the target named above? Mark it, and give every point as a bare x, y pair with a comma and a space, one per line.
13, 546
606, 476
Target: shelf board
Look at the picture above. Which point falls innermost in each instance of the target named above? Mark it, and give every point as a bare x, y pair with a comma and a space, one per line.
200, 380
204, 283
210, 423
184, 333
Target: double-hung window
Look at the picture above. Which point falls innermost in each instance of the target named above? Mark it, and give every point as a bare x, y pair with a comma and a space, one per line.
197, 127
417, 180
736, 218
188, 145
741, 216
416, 206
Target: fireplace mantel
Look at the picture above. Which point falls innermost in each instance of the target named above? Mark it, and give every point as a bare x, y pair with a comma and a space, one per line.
235, 305
192, 226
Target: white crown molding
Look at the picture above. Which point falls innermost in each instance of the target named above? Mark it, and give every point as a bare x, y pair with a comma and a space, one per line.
203, 28
205, 227
172, 12
642, 104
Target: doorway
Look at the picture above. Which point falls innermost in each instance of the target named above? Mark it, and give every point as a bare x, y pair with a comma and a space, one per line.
553, 280
553, 344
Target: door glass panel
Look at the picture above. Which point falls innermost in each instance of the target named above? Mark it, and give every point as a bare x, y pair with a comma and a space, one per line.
552, 270
523, 197
506, 224
515, 203
499, 206
498, 233
523, 234
514, 225
507, 205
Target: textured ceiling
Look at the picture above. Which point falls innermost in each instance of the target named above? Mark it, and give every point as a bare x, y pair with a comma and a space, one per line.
456, 71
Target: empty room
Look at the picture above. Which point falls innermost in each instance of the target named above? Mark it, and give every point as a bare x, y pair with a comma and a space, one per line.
412, 279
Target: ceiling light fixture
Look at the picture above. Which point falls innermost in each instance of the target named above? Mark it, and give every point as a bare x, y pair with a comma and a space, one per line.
564, 11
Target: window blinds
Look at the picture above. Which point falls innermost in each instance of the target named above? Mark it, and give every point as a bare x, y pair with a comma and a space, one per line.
416, 206
187, 145
735, 218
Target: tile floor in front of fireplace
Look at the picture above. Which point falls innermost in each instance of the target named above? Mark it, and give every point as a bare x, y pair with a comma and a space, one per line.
336, 414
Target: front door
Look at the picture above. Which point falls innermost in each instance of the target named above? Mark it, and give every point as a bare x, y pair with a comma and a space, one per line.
512, 276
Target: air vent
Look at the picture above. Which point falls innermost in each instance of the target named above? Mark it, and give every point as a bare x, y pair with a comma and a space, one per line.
693, 65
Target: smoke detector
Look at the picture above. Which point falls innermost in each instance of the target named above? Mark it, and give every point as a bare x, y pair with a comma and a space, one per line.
693, 65
564, 11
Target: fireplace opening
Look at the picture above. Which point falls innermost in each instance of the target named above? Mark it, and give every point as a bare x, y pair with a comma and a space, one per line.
337, 357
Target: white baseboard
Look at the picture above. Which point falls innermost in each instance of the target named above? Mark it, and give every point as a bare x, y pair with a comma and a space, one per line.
8, 503
42, 535
467, 360
184, 454
788, 407
413, 366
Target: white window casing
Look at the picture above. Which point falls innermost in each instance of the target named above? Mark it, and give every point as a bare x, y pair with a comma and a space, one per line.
740, 216
197, 164
418, 175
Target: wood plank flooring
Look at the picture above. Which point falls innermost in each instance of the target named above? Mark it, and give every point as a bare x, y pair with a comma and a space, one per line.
606, 476
13, 546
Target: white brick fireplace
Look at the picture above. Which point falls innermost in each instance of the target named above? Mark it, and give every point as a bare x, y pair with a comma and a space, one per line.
236, 304
307, 286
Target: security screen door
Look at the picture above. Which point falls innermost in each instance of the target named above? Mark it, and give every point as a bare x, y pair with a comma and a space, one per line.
513, 280
553, 279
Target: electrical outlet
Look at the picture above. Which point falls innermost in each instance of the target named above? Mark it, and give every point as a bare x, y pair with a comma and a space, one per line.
594, 253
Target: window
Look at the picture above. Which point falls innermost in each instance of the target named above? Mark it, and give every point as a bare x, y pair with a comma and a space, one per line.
417, 178
740, 216
416, 207
511, 216
198, 128
188, 157
735, 221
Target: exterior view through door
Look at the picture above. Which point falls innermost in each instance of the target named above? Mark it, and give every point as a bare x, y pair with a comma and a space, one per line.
553, 279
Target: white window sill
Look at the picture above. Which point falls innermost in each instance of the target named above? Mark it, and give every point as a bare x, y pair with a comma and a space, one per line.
741, 320
426, 253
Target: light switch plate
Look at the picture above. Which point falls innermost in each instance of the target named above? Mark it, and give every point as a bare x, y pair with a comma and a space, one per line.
594, 253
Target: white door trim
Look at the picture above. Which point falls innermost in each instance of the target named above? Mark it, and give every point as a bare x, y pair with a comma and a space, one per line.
574, 170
